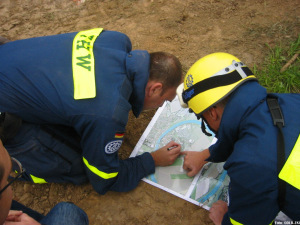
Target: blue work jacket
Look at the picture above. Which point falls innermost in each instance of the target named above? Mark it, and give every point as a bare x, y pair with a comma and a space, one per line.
247, 141
36, 83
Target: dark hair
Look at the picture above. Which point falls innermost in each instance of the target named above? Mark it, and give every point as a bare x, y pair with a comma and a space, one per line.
165, 68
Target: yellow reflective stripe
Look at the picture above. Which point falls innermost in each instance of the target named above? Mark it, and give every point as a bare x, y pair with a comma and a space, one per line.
98, 172
83, 63
291, 169
235, 222
37, 180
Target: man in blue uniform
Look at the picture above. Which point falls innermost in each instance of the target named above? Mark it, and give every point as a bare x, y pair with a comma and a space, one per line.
73, 93
262, 160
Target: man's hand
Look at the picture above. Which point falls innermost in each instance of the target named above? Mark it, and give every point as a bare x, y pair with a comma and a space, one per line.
19, 218
194, 161
165, 157
217, 212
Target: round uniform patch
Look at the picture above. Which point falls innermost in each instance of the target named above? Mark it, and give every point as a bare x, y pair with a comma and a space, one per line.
113, 146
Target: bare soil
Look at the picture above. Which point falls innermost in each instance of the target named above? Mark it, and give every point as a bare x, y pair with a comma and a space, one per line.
189, 29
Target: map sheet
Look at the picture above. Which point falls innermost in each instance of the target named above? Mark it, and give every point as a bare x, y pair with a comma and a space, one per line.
171, 122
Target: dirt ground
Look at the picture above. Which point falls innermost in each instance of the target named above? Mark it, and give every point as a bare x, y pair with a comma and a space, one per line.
189, 29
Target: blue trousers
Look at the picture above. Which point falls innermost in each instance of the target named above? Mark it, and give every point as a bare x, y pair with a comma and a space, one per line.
64, 213
50, 152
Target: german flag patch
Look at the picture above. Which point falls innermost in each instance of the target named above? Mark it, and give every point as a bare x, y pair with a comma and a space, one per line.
119, 135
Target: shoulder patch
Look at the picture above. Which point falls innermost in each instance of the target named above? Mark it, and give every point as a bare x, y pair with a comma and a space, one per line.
113, 146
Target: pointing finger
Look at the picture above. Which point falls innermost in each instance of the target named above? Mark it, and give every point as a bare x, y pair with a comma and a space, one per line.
183, 153
191, 173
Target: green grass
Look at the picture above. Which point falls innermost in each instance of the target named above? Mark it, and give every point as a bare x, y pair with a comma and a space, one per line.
270, 76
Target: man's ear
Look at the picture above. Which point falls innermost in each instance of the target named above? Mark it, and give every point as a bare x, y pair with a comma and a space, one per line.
213, 113
155, 88
216, 112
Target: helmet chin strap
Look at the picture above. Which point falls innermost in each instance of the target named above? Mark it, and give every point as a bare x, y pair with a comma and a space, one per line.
203, 128
204, 124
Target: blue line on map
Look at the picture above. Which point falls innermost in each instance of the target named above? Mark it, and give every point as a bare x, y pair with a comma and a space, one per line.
173, 127
215, 189
152, 178
199, 122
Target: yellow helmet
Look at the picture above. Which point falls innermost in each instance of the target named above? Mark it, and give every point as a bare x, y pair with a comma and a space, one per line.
210, 80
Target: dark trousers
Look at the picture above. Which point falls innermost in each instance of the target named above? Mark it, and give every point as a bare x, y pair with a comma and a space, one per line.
49, 152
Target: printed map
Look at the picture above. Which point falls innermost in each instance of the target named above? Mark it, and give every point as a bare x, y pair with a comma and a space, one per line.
171, 122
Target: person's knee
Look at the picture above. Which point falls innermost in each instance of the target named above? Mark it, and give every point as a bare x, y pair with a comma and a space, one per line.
70, 209
65, 213
67, 207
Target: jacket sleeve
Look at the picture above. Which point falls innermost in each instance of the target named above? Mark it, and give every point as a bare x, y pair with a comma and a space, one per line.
100, 156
